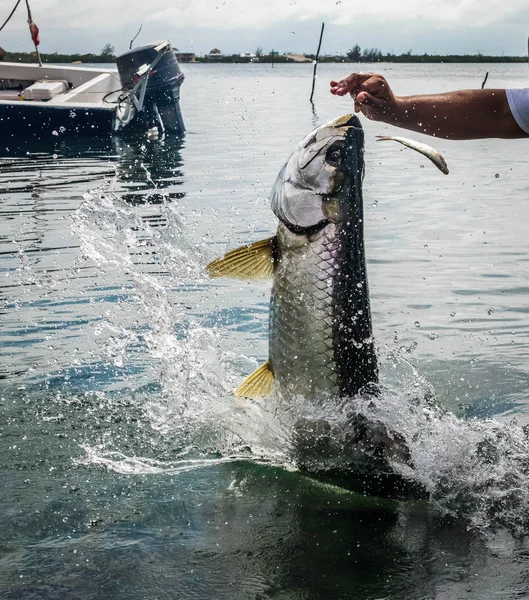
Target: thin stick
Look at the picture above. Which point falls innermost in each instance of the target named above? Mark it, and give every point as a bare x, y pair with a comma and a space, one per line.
12, 13
132, 40
316, 62
485, 80
30, 23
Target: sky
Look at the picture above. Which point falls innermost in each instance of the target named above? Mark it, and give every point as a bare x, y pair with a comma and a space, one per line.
493, 27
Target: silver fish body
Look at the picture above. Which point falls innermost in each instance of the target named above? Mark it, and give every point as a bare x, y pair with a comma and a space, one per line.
302, 352
320, 336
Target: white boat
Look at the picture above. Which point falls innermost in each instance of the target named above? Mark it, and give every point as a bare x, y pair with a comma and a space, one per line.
141, 92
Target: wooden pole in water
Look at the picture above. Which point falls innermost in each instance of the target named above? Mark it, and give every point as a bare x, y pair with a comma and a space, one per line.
485, 80
316, 62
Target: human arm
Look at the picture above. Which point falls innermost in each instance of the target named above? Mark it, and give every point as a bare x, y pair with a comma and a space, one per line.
463, 115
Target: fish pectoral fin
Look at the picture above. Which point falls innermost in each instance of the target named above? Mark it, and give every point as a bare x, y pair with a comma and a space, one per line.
255, 261
258, 384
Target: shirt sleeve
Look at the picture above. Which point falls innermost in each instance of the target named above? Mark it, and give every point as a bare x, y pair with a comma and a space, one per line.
519, 104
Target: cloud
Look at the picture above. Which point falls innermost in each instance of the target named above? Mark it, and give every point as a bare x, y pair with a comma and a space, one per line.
235, 14
235, 25
256, 14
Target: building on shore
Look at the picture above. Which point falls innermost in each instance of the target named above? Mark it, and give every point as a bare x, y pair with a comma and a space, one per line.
214, 54
185, 57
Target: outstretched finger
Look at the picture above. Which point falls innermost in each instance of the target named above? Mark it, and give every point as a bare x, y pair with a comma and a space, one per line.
339, 88
349, 85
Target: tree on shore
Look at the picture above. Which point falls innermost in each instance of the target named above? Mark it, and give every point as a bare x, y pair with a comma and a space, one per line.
108, 51
355, 53
372, 55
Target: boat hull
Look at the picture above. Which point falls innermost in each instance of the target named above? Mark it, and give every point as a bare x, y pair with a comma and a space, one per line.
42, 120
142, 94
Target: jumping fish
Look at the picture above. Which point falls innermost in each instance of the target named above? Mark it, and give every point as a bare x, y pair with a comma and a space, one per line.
428, 151
320, 331
320, 336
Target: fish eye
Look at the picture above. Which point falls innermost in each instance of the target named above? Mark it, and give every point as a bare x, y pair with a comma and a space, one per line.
334, 155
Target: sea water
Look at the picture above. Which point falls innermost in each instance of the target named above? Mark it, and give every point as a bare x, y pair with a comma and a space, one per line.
128, 470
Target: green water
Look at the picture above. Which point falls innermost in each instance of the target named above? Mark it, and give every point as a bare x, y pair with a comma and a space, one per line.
127, 469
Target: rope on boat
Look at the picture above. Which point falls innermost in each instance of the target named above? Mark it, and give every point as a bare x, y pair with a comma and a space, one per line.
12, 13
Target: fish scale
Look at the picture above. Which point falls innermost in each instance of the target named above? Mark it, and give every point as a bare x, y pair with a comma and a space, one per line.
301, 317
320, 334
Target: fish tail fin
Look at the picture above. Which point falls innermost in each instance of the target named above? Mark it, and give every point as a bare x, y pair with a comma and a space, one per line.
255, 261
258, 384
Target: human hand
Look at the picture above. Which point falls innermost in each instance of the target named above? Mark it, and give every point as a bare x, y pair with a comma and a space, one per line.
371, 94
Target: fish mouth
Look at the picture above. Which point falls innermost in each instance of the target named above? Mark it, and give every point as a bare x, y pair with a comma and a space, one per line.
348, 120
353, 158
350, 173
344, 202
317, 141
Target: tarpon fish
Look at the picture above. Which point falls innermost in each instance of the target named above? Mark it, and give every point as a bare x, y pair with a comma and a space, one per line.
320, 337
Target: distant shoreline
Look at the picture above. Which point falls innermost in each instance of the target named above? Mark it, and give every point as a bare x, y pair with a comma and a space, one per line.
403, 58
278, 58
26, 57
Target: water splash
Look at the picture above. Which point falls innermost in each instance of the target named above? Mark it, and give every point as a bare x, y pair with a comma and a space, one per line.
194, 404
477, 469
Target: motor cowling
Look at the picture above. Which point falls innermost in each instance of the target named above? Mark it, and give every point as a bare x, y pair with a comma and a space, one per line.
162, 94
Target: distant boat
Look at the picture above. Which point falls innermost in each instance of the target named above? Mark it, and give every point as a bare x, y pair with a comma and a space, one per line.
142, 93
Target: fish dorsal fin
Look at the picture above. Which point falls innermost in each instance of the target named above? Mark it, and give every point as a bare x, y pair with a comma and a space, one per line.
255, 261
258, 384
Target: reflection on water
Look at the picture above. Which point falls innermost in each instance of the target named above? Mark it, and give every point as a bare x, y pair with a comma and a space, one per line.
45, 283
243, 531
127, 468
151, 173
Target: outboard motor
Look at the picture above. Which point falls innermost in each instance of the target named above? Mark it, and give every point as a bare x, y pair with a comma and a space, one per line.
152, 76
